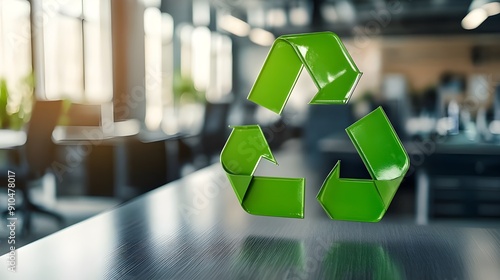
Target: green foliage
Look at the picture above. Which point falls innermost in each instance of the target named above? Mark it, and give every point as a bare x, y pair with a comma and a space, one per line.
16, 106
64, 118
4, 97
185, 90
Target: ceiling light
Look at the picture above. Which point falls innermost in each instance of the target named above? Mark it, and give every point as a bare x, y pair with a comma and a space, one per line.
474, 18
329, 13
479, 11
276, 17
234, 25
299, 16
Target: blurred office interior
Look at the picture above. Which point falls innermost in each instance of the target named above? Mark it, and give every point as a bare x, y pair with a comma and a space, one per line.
148, 88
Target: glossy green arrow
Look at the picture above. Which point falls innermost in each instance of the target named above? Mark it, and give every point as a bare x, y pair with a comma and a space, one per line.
267, 196
335, 75
387, 162
325, 58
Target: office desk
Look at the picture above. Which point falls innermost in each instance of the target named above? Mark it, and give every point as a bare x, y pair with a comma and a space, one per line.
194, 228
9, 141
11, 138
70, 135
451, 161
110, 152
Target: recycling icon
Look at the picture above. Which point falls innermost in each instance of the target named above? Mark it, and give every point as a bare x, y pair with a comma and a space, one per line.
335, 75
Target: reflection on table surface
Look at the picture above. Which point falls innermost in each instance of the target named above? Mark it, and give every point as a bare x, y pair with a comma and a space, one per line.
194, 228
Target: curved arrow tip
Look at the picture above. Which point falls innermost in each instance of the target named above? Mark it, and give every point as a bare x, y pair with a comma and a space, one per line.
350, 199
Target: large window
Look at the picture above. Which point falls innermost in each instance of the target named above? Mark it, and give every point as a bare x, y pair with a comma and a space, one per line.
158, 51
206, 62
15, 43
75, 49
15, 63
71, 44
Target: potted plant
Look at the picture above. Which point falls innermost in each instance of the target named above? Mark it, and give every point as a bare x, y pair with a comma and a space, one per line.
189, 103
15, 107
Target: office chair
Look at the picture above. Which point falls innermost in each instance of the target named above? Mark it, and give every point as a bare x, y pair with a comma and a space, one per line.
215, 130
213, 135
83, 115
35, 157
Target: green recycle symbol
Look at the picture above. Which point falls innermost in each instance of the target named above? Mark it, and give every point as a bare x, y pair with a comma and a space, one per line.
335, 75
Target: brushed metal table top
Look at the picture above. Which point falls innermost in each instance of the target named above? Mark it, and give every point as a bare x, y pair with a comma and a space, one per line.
194, 228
